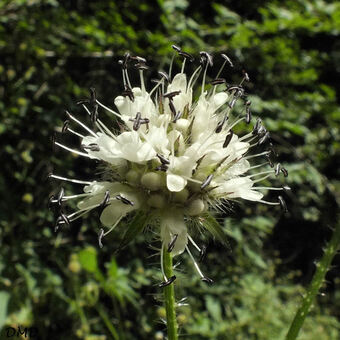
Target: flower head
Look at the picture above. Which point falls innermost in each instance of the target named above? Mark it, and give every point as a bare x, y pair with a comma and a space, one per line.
174, 158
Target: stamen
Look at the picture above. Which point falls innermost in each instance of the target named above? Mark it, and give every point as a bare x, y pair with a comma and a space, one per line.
248, 112
218, 81
108, 109
194, 243
124, 200
162, 167
277, 169
177, 116
81, 124
106, 200
257, 155
282, 204
264, 138
186, 56
227, 59
172, 243
202, 253
285, 172
168, 282
62, 219
162, 159
114, 226
91, 147
74, 151
206, 182
100, 236
228, 139
203, 278
170, 95
69, 179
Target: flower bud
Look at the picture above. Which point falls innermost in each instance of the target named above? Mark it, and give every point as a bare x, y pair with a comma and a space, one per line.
156, 201
133, 177
196, 207
181, 196
152, 181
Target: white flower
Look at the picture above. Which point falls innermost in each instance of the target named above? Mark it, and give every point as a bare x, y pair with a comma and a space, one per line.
174, 159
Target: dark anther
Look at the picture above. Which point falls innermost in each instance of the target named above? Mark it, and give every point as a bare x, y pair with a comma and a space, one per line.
62, 219
261, 131
60, 196
124, 200
270, 161
91, 147
163, 159
138, 59
172, 108
170, 95
239, 89
136, 123
246, 76
206, 182
93, 103
285, 172
219, 126
224, 56
186, 55
228, 139
128, 92
277, 169
218, 81
264, 138
206, 57
106, 200
65, 126
100, 236
162, 167
282, 204
168, 282
141, 66
172, 243
176, 48
126, 60
233, 102
164, 75
256, 126
202, 253
248, 114
207, 280
177, 116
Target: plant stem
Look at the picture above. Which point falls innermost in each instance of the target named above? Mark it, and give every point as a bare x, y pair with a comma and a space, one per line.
318, 278
169, 298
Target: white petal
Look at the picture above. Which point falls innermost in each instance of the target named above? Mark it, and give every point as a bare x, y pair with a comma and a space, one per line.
175, 183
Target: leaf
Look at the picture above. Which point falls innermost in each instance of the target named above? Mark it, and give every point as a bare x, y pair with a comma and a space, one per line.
4, 297
209, 222
135, 227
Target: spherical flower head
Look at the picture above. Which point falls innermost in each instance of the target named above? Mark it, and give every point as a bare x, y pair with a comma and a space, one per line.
174, 159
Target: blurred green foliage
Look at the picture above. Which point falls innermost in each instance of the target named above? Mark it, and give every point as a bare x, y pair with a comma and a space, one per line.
51, 52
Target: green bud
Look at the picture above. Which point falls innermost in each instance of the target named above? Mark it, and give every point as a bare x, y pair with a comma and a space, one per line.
152, 181
156, 201
196, 207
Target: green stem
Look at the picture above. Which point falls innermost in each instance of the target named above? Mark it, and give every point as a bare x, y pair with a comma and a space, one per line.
169, 298
318, 278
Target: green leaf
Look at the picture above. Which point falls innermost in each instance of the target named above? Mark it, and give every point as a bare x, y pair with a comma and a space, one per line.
135, 227
209, 222
4, 297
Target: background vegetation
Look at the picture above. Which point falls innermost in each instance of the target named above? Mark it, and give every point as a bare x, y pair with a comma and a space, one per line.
51, 53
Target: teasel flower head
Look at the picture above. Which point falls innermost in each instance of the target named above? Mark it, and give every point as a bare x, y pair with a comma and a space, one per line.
174, 159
